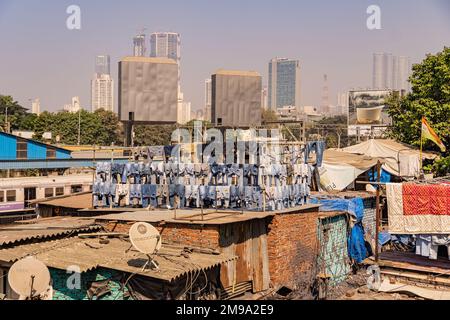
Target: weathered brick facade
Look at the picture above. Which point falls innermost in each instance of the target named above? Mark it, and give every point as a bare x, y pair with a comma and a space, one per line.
186, 234
292, 246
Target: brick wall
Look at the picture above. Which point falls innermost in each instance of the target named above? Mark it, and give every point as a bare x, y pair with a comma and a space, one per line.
292, 246
186, 234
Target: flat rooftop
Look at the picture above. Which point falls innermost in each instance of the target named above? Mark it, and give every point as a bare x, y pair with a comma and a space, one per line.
194, 216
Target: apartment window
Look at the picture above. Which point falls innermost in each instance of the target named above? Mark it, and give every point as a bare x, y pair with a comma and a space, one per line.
10, 195
22, 149
49, 192
76, 188
59, 191
51, 153
2, 196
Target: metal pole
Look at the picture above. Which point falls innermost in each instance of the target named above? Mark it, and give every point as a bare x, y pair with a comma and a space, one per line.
6, 120
377, 214
79, 126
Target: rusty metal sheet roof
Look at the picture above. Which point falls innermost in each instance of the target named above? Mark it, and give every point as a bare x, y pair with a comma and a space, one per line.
44, 229
89, 254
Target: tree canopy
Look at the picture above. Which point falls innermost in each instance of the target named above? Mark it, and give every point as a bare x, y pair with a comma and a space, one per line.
430, 97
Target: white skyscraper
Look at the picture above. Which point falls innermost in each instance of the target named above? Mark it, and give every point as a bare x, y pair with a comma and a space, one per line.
74, 107
102, 92
391, 72
102, 85
139, 48
382, 71
208, 99
36, 106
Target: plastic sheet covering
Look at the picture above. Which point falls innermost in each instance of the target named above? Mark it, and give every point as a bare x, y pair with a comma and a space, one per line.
357, 249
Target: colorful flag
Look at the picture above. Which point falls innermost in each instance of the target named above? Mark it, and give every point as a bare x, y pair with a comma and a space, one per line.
428, 133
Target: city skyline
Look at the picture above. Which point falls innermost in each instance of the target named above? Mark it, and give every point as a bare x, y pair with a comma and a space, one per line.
321, 46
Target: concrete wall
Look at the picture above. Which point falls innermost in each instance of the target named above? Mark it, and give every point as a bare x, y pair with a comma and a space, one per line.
236, 99
149, 88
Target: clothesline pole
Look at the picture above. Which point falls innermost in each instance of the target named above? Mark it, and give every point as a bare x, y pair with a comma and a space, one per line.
377, 214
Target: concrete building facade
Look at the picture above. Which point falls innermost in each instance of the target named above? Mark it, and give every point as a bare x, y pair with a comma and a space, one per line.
236, 98
148, 87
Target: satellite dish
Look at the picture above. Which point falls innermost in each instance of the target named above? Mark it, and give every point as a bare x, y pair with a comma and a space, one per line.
146, 239
29, 277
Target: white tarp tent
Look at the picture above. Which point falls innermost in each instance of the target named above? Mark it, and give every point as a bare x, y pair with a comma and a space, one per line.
340, 169
399, 159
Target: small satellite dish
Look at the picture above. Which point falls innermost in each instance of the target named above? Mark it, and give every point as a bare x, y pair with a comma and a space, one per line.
29, 277
146, 239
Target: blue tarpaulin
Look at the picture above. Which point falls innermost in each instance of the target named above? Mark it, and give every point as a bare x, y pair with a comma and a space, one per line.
356, 243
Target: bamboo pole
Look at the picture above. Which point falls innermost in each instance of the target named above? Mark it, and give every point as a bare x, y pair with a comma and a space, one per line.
377, 214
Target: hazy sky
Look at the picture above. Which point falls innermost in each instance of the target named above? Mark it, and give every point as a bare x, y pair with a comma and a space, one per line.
40, 57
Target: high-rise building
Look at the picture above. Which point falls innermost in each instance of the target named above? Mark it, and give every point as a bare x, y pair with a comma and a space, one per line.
74, 107
166, 45
236, 98
102, 92
102, 64
284, 83
148, 89
102, 85
36, 106
265, 98
208, 98
401, 72
382, 71
139, 48
391, 72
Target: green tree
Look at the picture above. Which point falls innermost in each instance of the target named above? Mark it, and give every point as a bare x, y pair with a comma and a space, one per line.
158, 135
430, 97
15, 111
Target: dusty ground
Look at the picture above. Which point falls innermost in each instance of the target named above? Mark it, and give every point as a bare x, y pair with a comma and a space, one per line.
354, 288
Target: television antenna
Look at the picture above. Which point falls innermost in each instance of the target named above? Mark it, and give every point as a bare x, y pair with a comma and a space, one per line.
29, 278
146, 239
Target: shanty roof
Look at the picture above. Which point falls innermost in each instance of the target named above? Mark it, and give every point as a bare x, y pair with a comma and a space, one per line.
399, 159
210, 217
89, 254
44, 229
363, 162
78, 201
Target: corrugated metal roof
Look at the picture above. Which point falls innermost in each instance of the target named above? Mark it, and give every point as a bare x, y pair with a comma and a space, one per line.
44, 229
89, 254
34, 141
